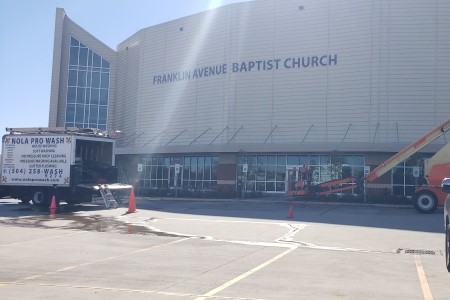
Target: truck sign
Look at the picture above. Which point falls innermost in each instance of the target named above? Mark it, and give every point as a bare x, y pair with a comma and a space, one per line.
36, 160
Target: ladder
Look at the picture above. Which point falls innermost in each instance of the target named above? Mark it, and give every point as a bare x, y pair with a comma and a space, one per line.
108, 197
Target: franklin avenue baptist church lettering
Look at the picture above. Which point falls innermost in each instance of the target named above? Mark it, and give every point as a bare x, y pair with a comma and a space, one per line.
248, 66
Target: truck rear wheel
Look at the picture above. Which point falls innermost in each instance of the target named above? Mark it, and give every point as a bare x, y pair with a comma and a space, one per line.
40, 198
425, 202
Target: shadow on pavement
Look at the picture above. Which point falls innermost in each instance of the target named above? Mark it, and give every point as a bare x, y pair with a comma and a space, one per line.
367, 215
376, 216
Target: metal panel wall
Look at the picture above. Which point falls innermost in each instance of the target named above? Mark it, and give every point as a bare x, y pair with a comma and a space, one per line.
386, 80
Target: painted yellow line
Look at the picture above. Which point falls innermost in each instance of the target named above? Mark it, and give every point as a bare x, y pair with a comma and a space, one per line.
423, 279
85, 287
245, 275
42, 239
96, 261
124, 290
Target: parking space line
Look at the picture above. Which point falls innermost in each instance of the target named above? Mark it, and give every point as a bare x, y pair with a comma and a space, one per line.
94, 262
245, 275
124, 290
42, 239
423, 279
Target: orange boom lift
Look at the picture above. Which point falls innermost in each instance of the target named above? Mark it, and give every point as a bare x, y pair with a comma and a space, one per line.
426, 197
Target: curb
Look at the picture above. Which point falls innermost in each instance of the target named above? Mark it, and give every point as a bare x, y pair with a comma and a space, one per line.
272, 201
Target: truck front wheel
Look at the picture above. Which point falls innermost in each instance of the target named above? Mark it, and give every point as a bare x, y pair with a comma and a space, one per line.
425, 202
40, 199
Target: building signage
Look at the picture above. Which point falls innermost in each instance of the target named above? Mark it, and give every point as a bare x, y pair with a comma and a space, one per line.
247, 66
36, 159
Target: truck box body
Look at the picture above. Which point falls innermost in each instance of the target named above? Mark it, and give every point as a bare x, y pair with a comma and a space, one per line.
70, 164
48, 160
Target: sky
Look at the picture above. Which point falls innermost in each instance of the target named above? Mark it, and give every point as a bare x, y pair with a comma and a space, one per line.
26, 44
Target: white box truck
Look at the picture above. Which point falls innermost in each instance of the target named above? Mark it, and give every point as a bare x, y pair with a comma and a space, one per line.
71, 164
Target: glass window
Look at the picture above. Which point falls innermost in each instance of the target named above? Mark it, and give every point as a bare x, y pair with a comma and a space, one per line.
271, 160
83, 85
262, 160
70, 113
193, 170
74, 42
71, 94
304, 160
186, 174
154, 170
96, 79
95, 96
90, 57
292, 160
325, 173
250, 185
215, 161
358, 160
260, 186
79, 114
347, 160
105, 64
72, 78
82, 79
242, 160
270, 186
270, 173
81, 95
89, 76
280, 187
83, 56
93, 115
314, 160
251, 172
324, 160
88, 95
261, 173
103, 97
73, 56
281, 160
315, 174
280, 174
160, 172
97, 61
251, 159
103, 112
346, 171
207, 173
358, 171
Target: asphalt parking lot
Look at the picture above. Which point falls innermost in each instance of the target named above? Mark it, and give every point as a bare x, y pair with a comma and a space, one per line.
187, 249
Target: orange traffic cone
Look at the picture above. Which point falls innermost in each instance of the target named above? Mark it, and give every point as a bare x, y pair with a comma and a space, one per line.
132, 202
53, 205
291, 211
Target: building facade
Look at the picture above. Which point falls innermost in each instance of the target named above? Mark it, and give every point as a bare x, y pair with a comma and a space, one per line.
242, 93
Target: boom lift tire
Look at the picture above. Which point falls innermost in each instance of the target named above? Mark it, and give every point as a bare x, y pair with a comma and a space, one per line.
425, 202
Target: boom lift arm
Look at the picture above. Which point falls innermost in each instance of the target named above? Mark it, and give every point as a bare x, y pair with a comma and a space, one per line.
415, 147
301, 186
